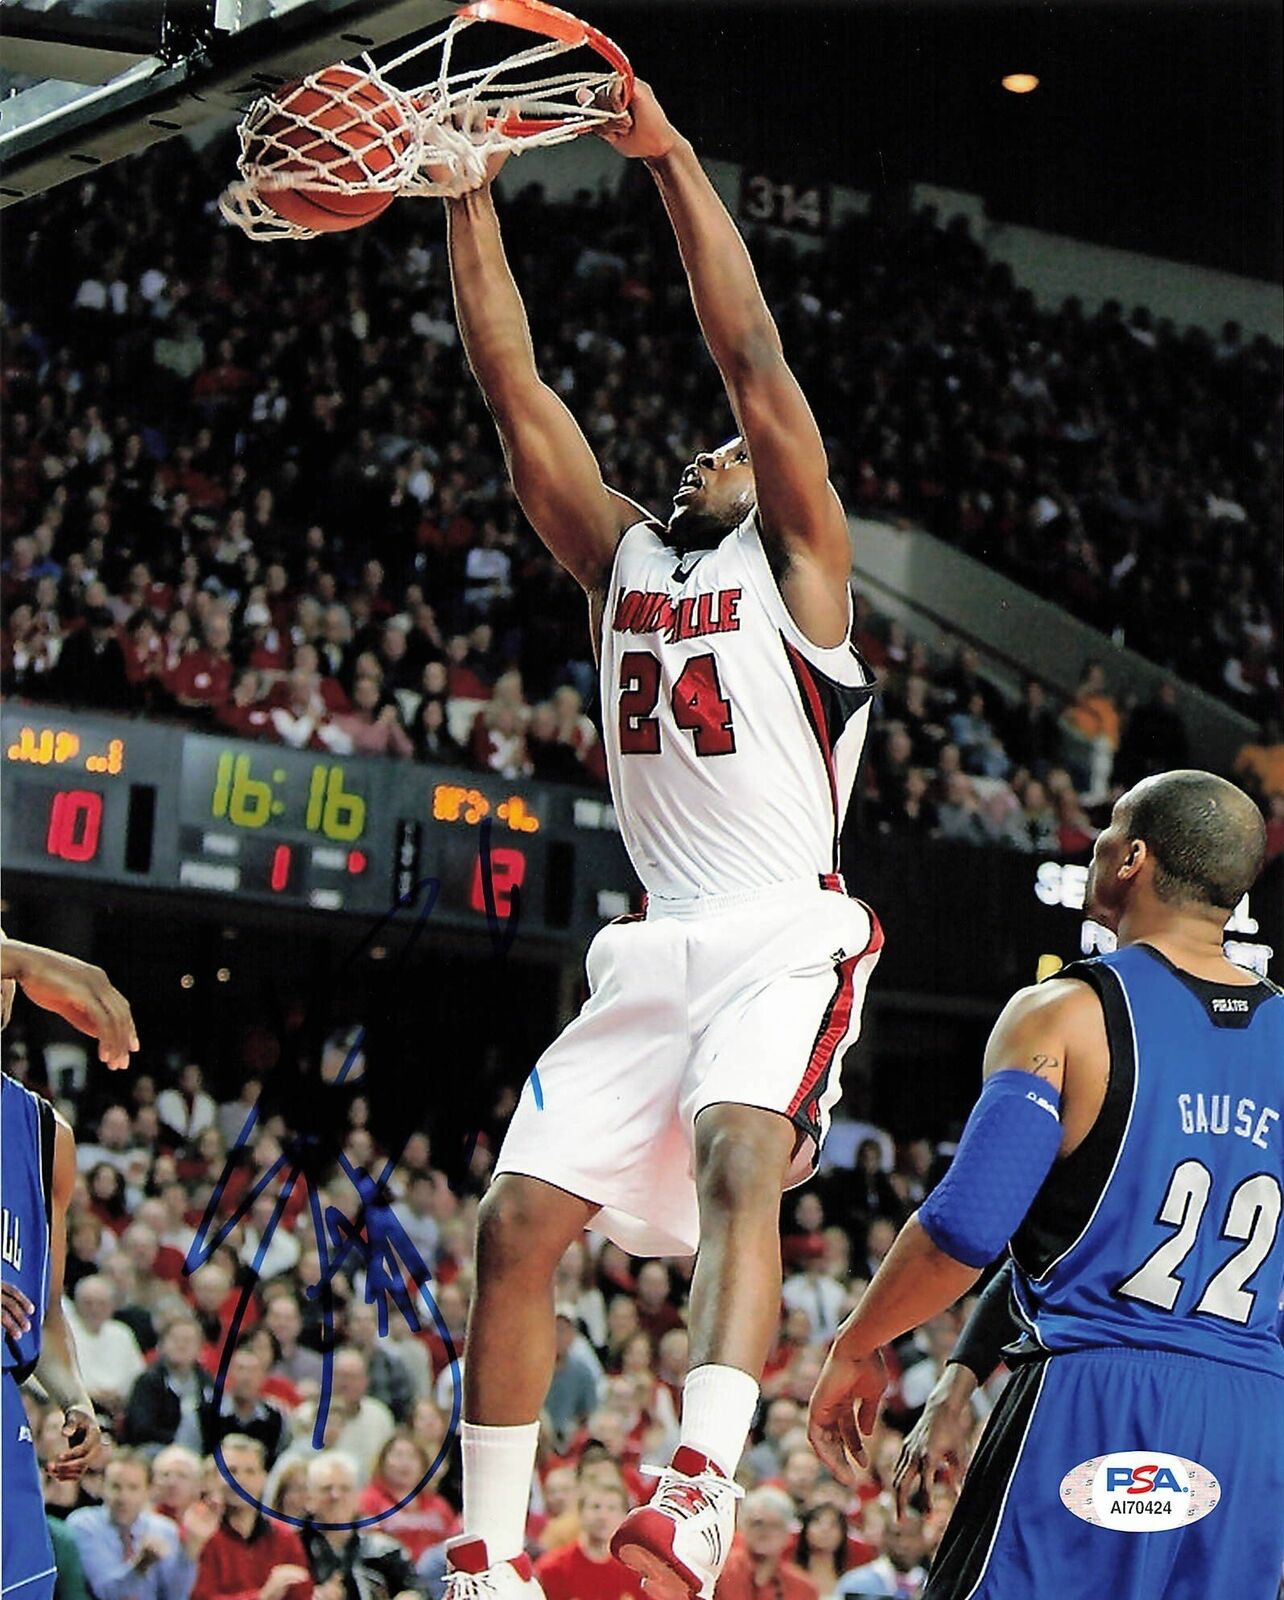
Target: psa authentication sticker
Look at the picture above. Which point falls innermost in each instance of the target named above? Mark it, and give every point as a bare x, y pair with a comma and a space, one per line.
1140, 1491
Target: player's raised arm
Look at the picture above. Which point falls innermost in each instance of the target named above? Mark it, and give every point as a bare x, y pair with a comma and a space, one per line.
554, 471
795, 498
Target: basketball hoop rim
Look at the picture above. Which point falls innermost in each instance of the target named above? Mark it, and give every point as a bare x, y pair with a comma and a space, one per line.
444, 130
537, 16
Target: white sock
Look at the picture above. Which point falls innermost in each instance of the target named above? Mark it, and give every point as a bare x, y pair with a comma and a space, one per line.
718, 1404
498, 1466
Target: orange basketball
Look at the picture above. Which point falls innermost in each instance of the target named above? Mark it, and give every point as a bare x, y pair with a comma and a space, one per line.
323, 129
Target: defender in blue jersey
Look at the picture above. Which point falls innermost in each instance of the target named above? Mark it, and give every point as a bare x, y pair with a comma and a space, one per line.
1128, 1143
37, 1175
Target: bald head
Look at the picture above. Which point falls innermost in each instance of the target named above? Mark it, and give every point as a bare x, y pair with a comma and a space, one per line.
1207, 837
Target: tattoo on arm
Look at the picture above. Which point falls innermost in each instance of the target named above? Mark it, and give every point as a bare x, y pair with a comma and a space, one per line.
1046, 1066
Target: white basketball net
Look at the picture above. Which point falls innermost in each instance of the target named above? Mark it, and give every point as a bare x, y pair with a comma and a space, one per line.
430, 140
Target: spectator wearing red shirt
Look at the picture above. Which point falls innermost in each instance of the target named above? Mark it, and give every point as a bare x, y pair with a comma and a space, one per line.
299, 714
246, 714
269, 646
176, 1481
757, 1569
807, 1231
586, 1569
498, 741
243, 1555
279, 596
824, 1550
656, 1312
219, 383
426, 1520
280, 1391
265, 1154
449, 529
176, 643
463, 680
603, 1443
143, 655
307, 658
107, 1197
371, 587
203, 678
1075, 833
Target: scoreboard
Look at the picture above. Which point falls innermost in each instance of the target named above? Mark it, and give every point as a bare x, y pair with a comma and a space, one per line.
106, 800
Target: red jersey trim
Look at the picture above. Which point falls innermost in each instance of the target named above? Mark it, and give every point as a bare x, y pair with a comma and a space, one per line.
804, 1108
815, 714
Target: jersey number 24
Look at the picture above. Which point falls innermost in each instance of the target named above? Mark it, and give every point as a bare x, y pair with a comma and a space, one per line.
698, 704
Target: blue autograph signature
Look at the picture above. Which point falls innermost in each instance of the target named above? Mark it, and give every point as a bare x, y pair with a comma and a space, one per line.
396, 1276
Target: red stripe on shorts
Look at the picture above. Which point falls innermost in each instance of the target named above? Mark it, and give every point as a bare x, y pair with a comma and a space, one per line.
836, 1021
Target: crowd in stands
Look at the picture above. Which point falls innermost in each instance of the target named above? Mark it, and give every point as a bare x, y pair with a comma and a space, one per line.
256, 488
155, 1519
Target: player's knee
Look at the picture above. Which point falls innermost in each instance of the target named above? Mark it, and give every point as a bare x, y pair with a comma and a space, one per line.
741, 1164
514, 1230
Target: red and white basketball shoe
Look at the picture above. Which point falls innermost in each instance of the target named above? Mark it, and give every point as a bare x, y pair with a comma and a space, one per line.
470, 1574
678, 1543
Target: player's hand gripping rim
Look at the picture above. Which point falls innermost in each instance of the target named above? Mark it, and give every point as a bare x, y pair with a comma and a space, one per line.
844, 1411
639, 130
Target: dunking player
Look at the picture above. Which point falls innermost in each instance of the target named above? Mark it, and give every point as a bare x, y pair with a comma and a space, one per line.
1129, 1141
695, 1085
37, 1174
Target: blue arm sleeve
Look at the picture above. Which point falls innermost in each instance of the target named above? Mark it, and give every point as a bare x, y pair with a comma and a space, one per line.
1007, 1150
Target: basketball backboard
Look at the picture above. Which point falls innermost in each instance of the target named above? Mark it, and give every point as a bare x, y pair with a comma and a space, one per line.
86, 82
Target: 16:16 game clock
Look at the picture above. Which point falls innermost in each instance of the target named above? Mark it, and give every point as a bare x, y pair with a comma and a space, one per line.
272, 822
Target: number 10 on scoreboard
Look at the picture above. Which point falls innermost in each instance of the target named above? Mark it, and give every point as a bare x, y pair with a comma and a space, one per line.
248, 802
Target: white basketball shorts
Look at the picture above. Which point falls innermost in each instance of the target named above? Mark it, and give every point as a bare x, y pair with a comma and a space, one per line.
749, 999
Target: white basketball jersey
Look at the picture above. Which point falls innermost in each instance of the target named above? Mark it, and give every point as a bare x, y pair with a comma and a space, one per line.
732, 741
